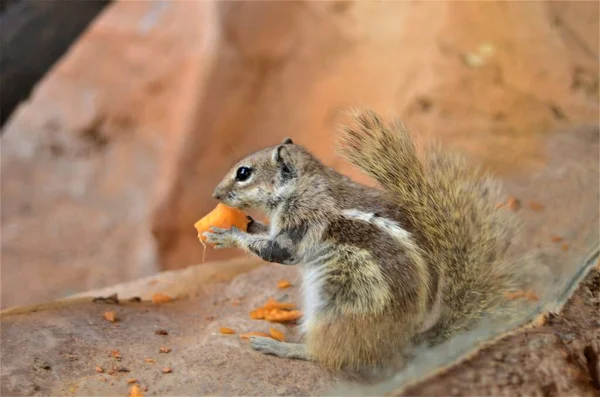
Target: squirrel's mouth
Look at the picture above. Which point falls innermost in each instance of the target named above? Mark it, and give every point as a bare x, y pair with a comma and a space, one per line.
231, 200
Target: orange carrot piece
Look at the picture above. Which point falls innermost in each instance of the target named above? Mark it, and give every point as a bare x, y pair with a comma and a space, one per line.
273, 304
276, 334
158, 298
247, 335
283, 316
135, 392
226, 331
223, 217
283, 284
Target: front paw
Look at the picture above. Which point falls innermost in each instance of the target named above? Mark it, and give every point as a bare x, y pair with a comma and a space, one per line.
221, 238
264, 345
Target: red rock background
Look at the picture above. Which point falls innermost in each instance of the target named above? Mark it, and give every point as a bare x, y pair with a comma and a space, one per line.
106, 167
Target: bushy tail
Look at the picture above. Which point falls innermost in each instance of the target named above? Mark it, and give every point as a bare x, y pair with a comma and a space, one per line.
452, 206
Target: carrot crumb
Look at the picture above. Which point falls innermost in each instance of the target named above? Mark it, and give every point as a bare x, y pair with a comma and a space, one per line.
164, 349
273, 304
282, 284
132, 380
161, 332
565, 247
167, 370
116, 354
247, 335
158, 298
110, 316
556, 239
283, 316
513, 204
226, 331
276, 334
99, 369
535, 206
149, 361
135, 392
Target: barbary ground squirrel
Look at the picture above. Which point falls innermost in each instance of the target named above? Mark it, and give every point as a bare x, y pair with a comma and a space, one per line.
424, 255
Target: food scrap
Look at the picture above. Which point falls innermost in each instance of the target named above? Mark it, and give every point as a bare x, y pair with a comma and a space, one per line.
275, 311
565, 247
167, 370
535, 206
158, 298
512, 203
247, 335
161, 332
132, 380
556, 239
276, 334
223, 217
283, 316
273, 304
116, 354
164, 350
99, 369
111, 316
135, 392
226, 331
282, 284
149, 360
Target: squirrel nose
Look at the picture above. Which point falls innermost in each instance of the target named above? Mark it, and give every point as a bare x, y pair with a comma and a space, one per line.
217, 195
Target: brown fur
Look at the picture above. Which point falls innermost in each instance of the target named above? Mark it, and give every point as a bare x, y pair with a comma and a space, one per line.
375, 263
465, 236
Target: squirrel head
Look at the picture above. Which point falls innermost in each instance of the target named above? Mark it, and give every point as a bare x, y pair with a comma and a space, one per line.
264, 179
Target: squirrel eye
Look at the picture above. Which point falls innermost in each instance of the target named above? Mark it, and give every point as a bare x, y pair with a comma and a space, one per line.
242, 174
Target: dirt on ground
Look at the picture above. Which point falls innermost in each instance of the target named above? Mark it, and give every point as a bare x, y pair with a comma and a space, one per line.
558, 358
177, 348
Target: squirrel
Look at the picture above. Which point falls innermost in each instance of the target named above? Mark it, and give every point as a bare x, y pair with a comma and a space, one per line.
424, 254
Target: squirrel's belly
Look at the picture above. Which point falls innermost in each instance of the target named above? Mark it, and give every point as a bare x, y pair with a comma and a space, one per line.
312, 284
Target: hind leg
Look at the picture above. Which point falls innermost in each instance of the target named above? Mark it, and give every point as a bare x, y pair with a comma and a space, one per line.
274, 347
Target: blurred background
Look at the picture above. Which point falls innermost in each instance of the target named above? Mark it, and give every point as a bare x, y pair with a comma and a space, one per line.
119, 117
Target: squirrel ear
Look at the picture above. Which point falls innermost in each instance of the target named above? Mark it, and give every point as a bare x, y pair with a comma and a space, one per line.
287, 141
279, 153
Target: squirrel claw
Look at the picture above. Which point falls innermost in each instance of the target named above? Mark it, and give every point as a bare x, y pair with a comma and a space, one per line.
220, 238
264, 345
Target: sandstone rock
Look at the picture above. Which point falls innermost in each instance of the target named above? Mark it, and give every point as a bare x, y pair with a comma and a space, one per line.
80, 158
73, 338
121, 145
286, 69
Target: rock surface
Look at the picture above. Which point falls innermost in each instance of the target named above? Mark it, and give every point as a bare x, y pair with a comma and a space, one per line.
54, 349
81, 158
106, 168
559, 358
73, 340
